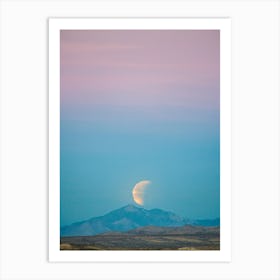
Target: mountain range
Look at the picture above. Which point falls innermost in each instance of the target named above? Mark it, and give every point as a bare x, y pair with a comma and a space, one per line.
130, 218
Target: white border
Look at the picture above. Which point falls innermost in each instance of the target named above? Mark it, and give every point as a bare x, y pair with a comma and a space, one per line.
55, 25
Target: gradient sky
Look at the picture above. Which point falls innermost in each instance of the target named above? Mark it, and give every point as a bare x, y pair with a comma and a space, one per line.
140, 105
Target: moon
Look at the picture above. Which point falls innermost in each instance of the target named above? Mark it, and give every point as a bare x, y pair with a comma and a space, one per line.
139, 190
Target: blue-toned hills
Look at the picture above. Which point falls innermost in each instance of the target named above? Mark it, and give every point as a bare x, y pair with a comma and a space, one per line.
128, 218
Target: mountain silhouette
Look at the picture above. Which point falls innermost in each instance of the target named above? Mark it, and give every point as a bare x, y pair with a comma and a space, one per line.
128, 218
123, 219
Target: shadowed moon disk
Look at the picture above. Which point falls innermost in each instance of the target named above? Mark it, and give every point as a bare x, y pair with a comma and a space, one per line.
138, 191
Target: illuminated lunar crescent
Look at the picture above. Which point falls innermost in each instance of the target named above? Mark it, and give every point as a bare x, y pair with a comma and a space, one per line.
138, 191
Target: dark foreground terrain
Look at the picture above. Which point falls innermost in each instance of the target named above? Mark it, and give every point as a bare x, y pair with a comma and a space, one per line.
148, 238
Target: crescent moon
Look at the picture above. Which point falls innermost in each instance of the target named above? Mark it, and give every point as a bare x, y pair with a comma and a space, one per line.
138, 191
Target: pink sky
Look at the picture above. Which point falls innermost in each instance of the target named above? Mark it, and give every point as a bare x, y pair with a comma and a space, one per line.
150, 68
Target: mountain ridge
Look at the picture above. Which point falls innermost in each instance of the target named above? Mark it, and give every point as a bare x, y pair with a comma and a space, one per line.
127, 218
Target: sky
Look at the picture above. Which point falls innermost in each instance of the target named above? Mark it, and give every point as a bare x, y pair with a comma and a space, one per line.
139, 105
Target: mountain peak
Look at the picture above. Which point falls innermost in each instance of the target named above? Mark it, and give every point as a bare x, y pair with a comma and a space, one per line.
130, 207
123, 219
127, 218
